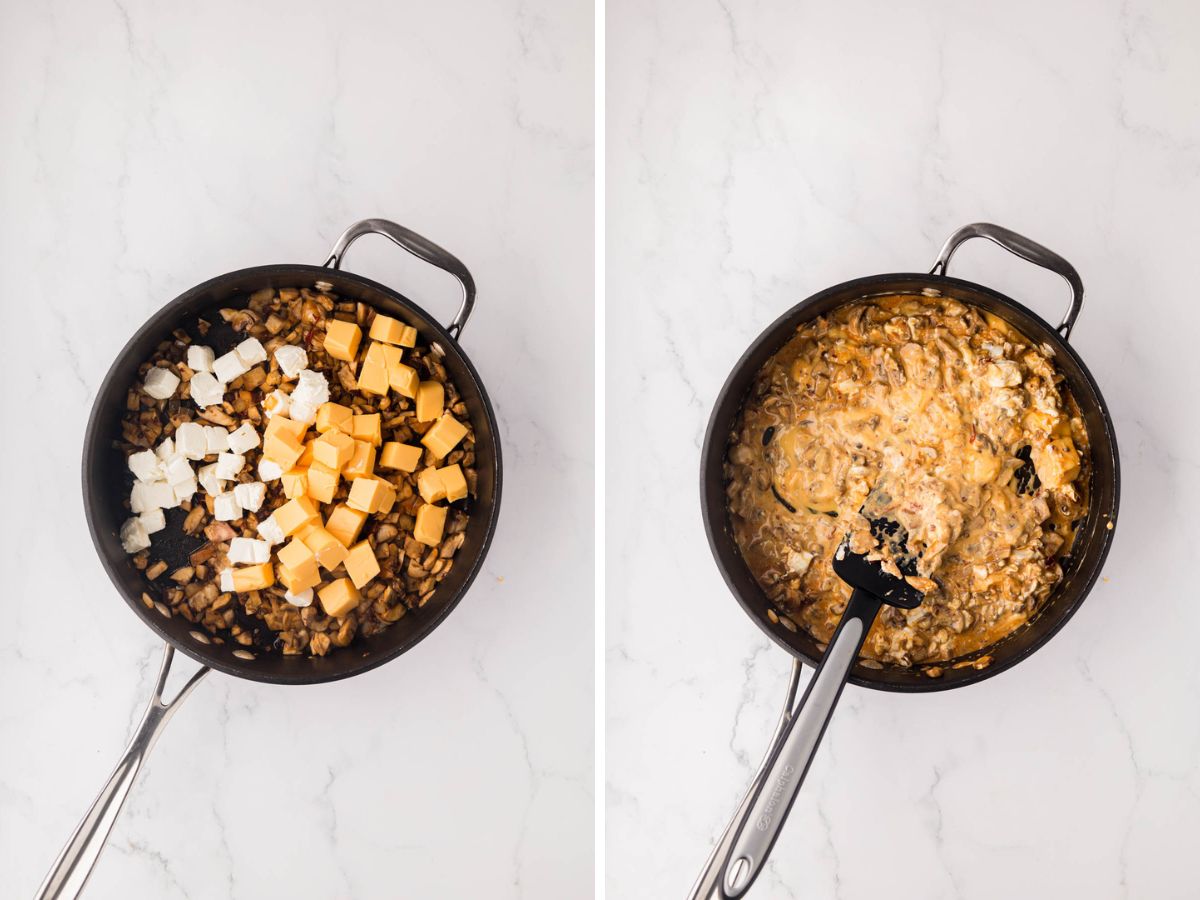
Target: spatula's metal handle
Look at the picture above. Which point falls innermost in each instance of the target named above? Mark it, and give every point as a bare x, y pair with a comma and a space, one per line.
786, 772
710, 876
1030, 251
70, 871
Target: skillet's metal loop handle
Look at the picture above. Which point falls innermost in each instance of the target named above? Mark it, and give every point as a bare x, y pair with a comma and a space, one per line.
70, 871
710, 876
1030, 251
781, 782
420, 247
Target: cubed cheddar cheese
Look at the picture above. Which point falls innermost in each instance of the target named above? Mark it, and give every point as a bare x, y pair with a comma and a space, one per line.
295, 514
430, 486
283, 450
322, 482
361, 564
298, 566
329, 551
295, 483
403, 457
341, 339
253, 578
333, 449
454, 482
404, 379
367, 427
444, 435
306, 457
387, 329
333, 416
388, 500
431, 400
345, 523
373, 373
362, 463
339, 598
408, 336
366, 494
282, 425
430, 524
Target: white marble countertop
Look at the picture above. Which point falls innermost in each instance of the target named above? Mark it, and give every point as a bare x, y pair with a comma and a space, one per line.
146, 148
760, 152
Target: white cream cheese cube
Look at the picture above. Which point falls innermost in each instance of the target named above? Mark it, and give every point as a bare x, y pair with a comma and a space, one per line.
145, 466
251, 352
160, 383
292, 360
190, 440
185, 490
133, 536
205, 390
249, 550
178, 470
209, 481
229, 465
229, 367
304, 598
243, 438
227, 581
277, 403
216, 439
270, 531
165, 450
200, 358
269, 470
226, 508
251, 495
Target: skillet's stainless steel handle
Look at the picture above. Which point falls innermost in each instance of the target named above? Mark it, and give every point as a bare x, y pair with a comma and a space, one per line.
782, 780
1030, 251
420, 247
74, 865
710, 876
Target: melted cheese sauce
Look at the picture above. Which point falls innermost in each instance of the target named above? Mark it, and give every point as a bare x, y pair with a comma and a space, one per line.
935, 416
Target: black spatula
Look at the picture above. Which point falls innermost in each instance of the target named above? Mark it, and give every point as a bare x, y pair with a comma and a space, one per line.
873, 587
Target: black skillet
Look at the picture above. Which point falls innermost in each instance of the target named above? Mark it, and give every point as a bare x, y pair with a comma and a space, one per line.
106, 485
732, 869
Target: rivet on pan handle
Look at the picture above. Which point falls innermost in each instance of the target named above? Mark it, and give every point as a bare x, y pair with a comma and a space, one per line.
1030, 251
420, 247
70, 871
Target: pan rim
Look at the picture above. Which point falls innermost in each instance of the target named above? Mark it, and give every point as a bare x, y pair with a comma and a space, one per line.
90, 449
714, 519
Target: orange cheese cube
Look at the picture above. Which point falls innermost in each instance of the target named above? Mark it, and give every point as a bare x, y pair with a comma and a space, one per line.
361, 564
298, 566
322, 482
454, 482
345, 523
295, 483
366, 494
333, 449
329, 551
444, 436
387, 329
431, 400
404, 379
283, 450
362, 463
339, 598
341, 339
430, 524
373, 379
367, 428
253, 578
408, 337
404, 457
306, 457
388, 500
430, 486
282, 425
333, 415
295, 514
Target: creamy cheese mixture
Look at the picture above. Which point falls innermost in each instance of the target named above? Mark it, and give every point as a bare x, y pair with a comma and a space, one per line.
928, 414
